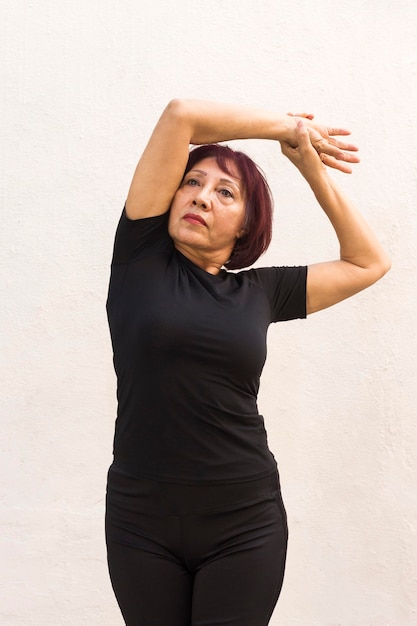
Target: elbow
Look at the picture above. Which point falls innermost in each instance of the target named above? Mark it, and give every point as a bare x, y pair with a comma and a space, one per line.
176, 109
385, 264
174, 104
178, 114
381, 267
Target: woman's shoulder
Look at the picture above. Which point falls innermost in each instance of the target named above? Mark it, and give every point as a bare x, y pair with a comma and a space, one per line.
136, 237
284, 286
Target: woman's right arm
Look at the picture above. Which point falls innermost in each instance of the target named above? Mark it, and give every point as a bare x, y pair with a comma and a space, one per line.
184, 122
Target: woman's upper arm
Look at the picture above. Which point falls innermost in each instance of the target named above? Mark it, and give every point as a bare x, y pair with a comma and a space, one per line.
333, 281
161, 167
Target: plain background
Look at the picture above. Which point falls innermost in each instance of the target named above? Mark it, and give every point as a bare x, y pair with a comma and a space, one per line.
82, 85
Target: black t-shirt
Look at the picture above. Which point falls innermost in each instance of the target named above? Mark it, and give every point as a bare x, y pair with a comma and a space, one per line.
189, 348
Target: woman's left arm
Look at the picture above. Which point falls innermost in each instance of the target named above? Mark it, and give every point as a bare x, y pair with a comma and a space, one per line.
362, 261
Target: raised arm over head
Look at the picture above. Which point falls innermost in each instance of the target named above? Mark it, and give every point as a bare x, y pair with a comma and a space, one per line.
184, 122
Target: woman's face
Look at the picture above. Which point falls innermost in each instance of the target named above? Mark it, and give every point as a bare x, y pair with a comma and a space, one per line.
207, 213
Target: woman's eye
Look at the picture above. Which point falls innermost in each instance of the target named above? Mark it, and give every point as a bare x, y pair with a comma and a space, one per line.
192, 182
226, 193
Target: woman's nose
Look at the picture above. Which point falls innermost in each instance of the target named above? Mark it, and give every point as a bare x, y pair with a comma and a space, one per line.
202, 200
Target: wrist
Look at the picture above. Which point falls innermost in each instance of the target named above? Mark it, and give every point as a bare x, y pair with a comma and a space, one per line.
318, 179
287, 130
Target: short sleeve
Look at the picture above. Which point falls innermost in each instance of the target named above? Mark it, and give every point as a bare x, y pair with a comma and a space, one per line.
139, 238
285, 288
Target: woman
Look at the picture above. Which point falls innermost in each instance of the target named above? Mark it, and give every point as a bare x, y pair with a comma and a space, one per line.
195, 525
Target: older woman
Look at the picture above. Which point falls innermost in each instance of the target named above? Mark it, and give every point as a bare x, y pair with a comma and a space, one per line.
195, 525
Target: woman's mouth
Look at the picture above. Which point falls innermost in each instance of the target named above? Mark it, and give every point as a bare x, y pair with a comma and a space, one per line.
193, 218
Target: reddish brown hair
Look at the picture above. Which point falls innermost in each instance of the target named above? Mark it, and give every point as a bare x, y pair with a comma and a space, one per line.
258, 206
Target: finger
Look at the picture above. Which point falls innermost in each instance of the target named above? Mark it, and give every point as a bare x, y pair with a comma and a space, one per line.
332, 130
336, 164
339, 155
333, 149
343, 145
287, 150
350, 158
346, 146
303, 134
307, 116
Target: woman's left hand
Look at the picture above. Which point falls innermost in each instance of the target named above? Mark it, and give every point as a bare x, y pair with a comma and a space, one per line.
362, 260
316, 147
333, 152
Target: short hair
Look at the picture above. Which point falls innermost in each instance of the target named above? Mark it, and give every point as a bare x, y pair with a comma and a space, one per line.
258, 205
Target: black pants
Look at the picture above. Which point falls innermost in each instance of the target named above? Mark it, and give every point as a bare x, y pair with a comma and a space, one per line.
182, 555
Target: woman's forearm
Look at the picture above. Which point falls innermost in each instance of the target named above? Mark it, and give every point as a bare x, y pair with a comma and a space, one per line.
358, 243
362, 260
211, 122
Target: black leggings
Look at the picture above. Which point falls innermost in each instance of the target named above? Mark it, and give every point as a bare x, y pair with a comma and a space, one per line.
183, 555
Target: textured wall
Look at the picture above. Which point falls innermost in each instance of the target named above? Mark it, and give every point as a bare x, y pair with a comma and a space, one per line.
82, 85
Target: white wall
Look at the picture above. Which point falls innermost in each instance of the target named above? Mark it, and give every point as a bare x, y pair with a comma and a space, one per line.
82, 85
